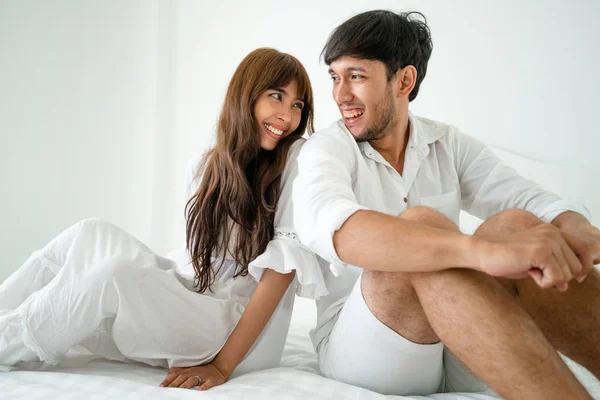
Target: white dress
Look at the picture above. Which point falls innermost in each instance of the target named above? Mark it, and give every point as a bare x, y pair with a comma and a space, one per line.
95, 288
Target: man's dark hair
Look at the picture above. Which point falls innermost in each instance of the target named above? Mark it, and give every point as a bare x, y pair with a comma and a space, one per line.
396, 39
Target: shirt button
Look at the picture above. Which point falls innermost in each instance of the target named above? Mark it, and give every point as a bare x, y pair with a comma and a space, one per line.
405, 200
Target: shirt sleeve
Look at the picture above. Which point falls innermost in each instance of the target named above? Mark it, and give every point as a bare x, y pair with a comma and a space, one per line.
285, 252
323, 192
488, 186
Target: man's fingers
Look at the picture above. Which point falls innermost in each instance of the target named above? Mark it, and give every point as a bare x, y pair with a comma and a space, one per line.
576, 265
583, 254
537, 276
562, 287
552, 273
546, 278
562, 263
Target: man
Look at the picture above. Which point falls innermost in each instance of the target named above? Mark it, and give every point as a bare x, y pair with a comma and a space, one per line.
378, 196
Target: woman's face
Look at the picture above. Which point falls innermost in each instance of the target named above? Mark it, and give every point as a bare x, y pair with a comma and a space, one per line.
278, 112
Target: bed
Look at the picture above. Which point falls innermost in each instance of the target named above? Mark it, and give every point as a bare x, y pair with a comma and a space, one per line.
296, 378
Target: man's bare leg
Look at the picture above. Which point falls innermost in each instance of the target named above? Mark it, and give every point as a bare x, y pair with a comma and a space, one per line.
477, 319
570, 320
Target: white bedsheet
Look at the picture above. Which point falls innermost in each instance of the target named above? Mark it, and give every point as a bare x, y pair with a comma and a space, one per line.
297, 378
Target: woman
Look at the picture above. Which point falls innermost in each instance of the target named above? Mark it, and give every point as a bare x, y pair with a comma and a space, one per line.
96, 287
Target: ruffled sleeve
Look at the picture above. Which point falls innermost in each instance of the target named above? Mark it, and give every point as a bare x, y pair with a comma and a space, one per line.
285, 252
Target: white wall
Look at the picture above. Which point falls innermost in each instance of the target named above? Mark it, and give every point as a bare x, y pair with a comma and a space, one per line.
78, 119
103, 102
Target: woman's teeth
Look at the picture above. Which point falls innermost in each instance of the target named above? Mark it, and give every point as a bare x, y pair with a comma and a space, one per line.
274, 130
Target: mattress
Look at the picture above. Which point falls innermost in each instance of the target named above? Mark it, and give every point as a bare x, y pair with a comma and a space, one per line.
296, 378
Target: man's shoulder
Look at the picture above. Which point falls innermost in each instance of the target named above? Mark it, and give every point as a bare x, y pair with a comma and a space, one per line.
297, 145
332, 143
435, 130
334, 135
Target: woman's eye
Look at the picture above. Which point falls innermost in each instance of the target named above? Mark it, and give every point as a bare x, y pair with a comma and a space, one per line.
299, 105
276, 96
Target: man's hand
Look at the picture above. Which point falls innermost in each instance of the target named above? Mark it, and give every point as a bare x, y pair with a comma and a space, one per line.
582, 236
204, 376
586, 245
551, 257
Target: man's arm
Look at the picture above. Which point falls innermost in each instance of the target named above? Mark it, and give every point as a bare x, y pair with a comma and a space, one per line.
571, 221
331, 223
377, 241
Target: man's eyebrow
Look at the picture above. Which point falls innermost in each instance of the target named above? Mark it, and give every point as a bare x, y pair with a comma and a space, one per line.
350, 69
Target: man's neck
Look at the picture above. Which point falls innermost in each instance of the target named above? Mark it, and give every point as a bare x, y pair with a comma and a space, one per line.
392, 146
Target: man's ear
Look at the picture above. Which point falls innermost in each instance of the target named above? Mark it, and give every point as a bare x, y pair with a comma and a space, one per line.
405, 78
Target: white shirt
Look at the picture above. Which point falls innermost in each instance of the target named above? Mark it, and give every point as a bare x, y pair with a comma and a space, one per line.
444, 169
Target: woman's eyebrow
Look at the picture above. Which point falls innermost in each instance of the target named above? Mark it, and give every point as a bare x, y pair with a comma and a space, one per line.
282, 91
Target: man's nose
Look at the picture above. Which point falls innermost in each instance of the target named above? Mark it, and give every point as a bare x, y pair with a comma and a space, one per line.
342, 93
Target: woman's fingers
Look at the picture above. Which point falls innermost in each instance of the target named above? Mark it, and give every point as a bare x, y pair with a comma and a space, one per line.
178, 381
190, 382
170, 377
206, 385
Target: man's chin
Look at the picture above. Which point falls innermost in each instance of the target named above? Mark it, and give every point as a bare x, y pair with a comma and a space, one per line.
356, 132
360, 136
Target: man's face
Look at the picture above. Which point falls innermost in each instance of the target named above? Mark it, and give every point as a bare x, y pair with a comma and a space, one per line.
364, 96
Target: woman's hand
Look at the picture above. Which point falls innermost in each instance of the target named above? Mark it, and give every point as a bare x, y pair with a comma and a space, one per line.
204, 376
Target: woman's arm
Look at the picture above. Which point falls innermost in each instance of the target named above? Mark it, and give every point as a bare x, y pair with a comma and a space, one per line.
260, 308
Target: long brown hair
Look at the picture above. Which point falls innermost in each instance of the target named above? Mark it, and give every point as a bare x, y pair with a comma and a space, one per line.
234, 207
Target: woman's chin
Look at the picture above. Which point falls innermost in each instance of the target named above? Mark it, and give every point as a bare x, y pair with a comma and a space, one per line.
268, 146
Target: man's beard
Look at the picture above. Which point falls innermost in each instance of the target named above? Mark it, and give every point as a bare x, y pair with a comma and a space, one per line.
384, 119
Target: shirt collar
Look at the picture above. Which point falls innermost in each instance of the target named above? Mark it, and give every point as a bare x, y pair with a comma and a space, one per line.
422, 133
420, 137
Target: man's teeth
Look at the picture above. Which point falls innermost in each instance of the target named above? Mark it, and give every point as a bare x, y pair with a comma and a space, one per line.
353, 114
274, 130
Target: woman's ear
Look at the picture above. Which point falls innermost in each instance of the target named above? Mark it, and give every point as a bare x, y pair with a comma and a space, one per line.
406, 78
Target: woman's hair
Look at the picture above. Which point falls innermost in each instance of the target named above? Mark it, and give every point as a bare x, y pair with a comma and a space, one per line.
234, 207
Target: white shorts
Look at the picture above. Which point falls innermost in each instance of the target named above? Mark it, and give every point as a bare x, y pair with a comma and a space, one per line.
362, 351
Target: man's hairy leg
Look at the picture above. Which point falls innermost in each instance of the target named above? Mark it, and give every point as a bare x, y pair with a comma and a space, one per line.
479, 322
570, 320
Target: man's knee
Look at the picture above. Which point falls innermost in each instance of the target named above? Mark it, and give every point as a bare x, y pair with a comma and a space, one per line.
430, 217
507, 222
